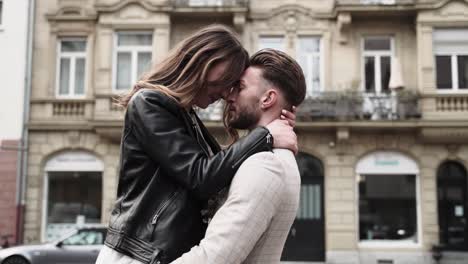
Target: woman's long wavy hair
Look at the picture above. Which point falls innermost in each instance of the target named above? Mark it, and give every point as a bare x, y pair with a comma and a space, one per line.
182, 74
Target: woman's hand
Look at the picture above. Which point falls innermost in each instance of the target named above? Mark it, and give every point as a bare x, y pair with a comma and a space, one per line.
283, 135
289, 116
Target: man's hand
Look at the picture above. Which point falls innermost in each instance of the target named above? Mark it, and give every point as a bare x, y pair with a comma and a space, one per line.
283, 135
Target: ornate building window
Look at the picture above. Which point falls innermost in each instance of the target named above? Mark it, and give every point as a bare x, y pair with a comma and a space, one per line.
388, 199
272, 42
308, 56
132, 57
451, 59
377, 53
71, 67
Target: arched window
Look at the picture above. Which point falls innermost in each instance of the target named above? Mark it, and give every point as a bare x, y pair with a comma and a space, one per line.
387, 198
306, 239
73, 192
452, 184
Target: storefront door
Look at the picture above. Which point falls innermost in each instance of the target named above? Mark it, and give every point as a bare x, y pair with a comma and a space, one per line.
452, 186
306, 239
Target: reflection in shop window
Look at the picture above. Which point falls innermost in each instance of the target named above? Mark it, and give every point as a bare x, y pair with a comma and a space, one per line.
73, 198
387, 208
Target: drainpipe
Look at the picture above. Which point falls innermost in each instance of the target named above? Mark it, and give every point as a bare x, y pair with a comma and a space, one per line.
23, 148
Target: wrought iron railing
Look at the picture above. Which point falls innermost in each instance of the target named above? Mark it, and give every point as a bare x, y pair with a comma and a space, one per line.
348, 105
209, 3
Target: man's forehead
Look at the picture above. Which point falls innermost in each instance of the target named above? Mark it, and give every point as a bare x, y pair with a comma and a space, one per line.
251, 74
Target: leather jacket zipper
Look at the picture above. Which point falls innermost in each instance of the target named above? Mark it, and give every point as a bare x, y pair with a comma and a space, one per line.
247, 153
163, 207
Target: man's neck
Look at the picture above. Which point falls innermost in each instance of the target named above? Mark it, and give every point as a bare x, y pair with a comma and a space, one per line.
267, 117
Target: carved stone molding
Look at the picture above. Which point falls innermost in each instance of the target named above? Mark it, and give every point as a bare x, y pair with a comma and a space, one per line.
105, 6
344, 23
444, 135
71, 13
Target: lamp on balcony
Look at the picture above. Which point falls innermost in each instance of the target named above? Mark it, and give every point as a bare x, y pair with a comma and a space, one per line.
396, 83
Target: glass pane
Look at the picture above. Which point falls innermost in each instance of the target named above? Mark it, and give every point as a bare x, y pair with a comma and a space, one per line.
385, 73
1, 11
79, 76
73, 197
452, 183
444, 72
463, 72
124, 74
387, 207
316, 75
144, 62
271, 42
309, 44
129, 39
85, 238
369, 74
64, 84
377, 44
310, 202
73, 45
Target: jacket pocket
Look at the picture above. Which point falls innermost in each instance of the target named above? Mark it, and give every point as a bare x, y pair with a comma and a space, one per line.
163, 207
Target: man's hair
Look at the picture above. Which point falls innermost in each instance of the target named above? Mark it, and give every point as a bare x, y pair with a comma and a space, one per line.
182, 74
283, 72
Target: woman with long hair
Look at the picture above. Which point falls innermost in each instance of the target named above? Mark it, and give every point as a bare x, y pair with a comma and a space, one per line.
170, 165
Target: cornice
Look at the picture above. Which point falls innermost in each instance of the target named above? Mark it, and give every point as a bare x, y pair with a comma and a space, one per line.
71, 13
110, 8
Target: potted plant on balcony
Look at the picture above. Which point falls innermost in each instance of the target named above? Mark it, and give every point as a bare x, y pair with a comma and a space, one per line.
407, 106
349, 104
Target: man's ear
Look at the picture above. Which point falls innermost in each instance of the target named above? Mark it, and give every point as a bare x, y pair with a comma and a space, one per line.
268, 99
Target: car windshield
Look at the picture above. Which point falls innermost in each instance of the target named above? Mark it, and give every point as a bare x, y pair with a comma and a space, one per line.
85, 237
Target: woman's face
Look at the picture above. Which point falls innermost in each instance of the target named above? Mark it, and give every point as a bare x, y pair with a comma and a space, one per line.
213, 93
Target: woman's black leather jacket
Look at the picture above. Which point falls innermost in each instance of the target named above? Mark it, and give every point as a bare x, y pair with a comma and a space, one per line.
165, 177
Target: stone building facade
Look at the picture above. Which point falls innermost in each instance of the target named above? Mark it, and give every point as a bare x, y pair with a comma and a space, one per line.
383, 132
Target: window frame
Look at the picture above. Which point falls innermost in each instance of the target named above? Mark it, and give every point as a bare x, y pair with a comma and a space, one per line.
379, 244
73, 56
310, 57
377, 65
454, 64
134, 50
272, 36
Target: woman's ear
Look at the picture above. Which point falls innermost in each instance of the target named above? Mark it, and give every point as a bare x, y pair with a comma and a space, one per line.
269, 99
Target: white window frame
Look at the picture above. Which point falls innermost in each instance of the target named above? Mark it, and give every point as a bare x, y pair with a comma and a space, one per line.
458, 40
73, 56
377, 56
310, 56
389, 244
134, 50
273, 36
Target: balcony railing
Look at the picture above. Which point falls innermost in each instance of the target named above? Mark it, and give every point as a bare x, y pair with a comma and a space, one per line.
349, 106
210, 3
375, 2
445, 106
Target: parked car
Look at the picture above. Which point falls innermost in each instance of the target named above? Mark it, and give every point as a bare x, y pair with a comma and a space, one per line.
81, 246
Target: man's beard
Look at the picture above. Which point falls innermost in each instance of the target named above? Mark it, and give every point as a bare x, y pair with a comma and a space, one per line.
246, 118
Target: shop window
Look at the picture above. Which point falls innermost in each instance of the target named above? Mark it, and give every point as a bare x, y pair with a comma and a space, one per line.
387, 207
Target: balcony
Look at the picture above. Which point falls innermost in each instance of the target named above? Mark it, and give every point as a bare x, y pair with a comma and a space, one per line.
356, 106
373, 7
210, 3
